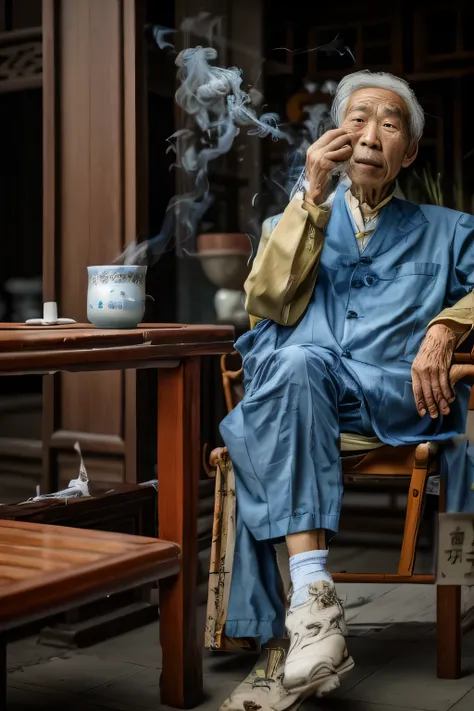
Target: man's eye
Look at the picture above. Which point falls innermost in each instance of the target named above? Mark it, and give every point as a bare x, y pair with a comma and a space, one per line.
389, 125
357, 120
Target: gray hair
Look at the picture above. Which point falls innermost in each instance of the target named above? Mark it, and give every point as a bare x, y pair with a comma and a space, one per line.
366, 80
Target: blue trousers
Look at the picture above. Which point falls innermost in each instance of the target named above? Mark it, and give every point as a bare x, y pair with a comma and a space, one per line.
283, 439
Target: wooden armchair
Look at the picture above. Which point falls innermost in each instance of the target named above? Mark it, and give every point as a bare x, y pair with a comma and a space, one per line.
363, 459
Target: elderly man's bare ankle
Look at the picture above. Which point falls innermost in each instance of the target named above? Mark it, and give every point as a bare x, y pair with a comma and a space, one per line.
306, 541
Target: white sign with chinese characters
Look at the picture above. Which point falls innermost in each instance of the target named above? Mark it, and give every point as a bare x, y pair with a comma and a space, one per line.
456, 549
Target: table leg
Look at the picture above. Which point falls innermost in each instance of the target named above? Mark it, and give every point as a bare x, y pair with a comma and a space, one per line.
50, 473
449, 631
178, 475
448, 620
3, 672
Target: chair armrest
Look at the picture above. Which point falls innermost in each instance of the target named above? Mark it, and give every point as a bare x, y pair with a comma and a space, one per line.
463, 363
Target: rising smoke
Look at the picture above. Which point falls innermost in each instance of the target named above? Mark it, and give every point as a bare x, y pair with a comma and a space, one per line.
213, 100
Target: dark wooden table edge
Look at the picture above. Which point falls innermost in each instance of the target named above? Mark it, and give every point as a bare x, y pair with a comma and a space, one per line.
141, 568
36, 338
119, 358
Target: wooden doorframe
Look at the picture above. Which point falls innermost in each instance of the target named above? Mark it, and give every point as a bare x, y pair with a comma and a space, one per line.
95, 200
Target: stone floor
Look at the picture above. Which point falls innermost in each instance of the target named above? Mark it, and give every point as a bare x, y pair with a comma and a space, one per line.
395, 664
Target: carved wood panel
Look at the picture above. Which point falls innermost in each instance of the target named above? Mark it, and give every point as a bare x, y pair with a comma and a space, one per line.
21, 60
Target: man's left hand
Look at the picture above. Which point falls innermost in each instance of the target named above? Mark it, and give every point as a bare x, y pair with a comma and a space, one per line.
430, 372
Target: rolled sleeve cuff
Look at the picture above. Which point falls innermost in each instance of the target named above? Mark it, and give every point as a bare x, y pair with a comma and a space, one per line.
319, 214
462, 327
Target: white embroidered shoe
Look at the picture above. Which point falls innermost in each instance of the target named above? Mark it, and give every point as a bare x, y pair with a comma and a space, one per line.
318, 654
262, 689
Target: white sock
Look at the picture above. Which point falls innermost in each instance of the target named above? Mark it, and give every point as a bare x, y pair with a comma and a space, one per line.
307, 568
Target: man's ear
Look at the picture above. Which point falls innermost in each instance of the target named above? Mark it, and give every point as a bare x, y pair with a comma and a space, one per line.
411, 154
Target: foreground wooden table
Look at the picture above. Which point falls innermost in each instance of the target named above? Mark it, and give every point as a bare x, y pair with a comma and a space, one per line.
175, 350
45, 570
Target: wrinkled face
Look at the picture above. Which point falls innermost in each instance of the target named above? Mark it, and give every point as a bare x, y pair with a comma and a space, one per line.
377, 120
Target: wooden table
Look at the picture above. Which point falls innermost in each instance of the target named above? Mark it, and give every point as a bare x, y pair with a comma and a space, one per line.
45, 570
175, 350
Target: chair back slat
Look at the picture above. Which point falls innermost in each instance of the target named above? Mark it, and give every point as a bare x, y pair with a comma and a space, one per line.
232, 379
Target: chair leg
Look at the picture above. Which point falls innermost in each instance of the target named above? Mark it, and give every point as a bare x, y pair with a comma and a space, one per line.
448, 612
414, 510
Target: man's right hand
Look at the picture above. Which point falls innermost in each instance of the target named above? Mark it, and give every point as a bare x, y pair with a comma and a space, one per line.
334, 147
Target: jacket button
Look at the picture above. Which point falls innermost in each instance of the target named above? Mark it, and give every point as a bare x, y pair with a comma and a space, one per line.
346, 354
365, 260
357, 283
369, 280
351, 314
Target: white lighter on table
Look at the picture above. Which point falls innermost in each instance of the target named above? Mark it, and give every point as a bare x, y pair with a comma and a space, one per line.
50, 316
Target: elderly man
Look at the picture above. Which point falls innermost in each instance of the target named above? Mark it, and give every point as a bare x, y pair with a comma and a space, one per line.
345, 296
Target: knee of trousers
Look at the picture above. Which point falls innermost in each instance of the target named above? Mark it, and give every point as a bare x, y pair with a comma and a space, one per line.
297, 364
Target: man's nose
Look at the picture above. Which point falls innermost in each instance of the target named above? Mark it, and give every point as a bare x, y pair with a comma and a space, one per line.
370, 137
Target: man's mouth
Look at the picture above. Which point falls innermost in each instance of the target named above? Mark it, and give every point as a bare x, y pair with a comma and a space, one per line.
369, 161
